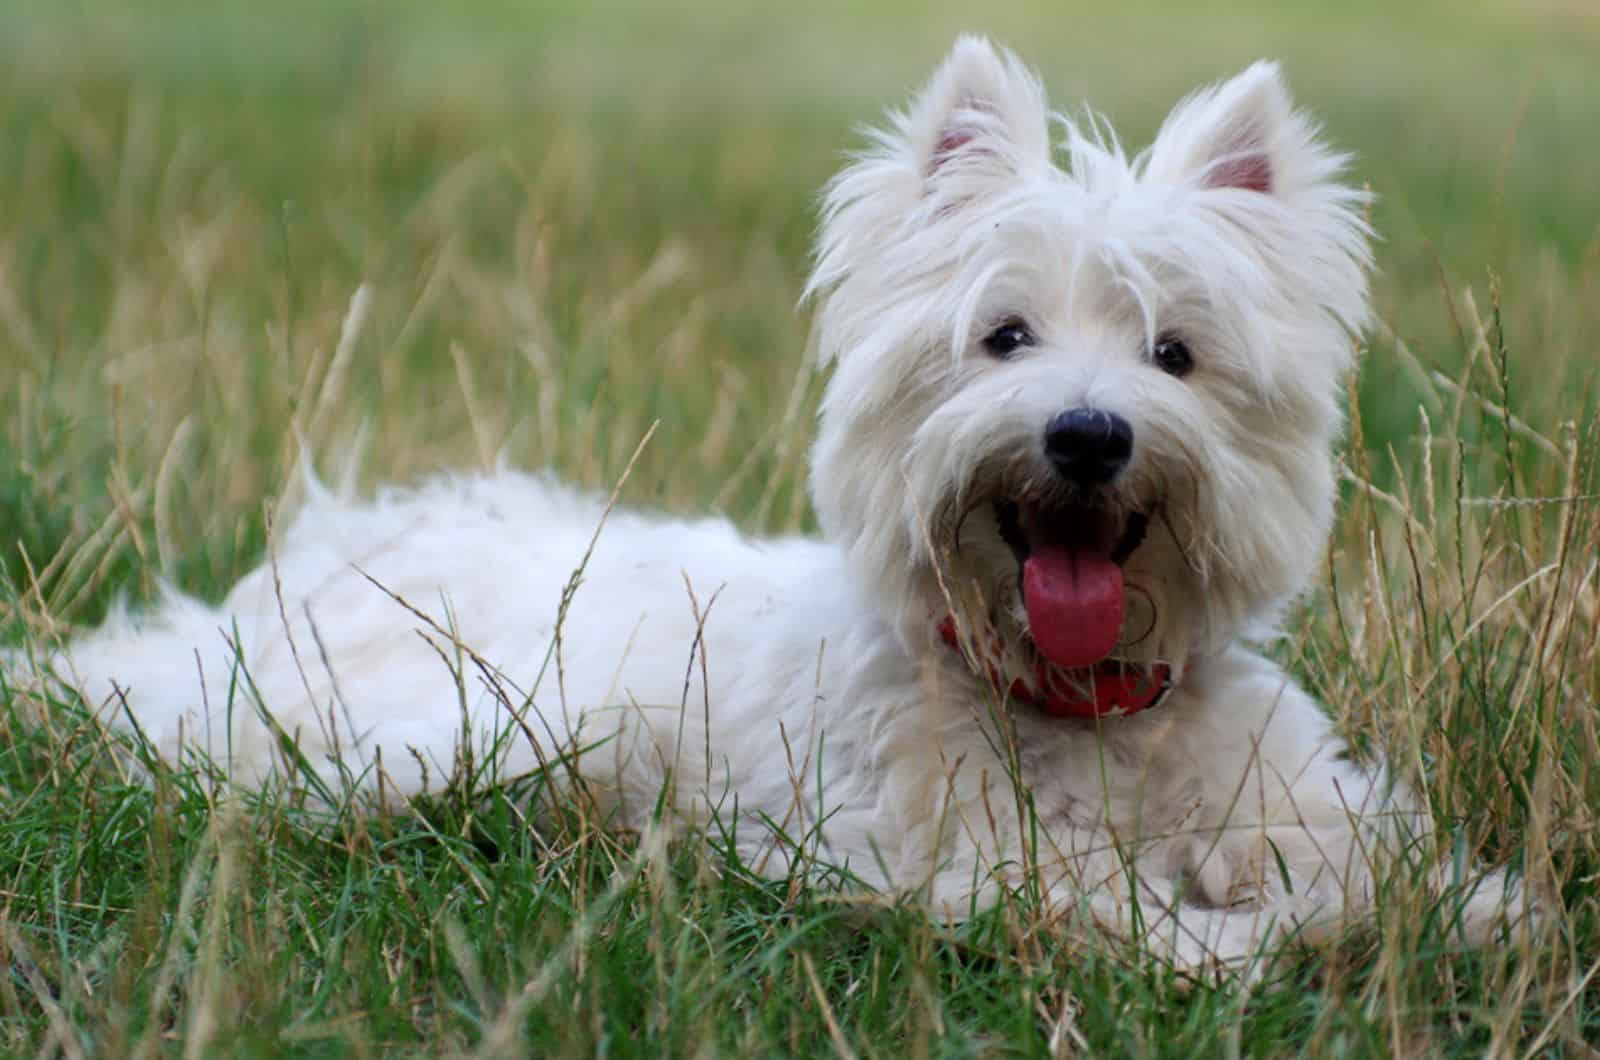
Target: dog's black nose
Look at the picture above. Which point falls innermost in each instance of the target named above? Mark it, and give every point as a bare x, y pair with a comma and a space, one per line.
1088, 447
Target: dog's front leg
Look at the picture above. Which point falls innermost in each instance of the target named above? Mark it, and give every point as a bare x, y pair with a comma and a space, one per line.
1093, 881
1288, 822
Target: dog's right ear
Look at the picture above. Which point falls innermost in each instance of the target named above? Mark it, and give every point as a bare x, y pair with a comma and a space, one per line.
981, 117
978, 126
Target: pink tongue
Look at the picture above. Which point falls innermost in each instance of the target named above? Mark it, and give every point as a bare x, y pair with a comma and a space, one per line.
1074, 602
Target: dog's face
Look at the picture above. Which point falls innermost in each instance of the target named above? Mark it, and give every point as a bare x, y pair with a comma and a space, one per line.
1087, 408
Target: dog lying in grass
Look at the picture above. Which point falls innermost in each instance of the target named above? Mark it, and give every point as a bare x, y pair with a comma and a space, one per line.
1074, 456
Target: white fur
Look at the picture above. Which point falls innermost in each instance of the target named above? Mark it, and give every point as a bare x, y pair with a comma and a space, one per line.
809, 671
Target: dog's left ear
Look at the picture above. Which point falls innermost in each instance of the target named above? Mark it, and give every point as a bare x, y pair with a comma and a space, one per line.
1243, 134
1244, 147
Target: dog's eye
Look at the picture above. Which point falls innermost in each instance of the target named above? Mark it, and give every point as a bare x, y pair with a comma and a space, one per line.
1171, 355
1006, 339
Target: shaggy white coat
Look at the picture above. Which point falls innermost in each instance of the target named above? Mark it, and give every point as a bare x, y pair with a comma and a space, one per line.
801, 681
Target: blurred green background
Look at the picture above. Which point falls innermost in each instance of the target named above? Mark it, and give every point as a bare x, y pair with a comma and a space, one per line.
577, 219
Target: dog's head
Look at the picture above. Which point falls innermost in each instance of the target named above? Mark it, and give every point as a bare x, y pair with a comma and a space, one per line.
1087, 405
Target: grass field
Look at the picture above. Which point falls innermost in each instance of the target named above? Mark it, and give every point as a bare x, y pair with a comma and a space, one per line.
573, 221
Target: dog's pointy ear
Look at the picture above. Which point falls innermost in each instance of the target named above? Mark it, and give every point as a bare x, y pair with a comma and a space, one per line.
977, 126
1245, 148
1243, 134
981, 116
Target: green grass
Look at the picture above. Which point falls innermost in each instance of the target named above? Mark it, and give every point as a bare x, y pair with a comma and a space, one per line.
575, 221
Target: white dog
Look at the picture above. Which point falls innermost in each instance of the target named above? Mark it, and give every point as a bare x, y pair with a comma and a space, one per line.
1076, 446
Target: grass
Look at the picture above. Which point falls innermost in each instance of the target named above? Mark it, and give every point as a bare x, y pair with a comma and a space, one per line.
576, 221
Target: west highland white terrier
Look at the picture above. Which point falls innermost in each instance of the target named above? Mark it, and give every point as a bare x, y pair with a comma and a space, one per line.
1075, 453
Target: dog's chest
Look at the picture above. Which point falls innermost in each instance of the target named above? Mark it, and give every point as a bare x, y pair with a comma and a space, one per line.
1086, 774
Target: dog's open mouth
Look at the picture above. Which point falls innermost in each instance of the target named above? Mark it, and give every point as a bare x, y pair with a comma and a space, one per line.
1070, 567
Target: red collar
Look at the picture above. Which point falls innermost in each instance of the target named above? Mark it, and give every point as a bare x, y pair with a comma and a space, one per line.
1118, 689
